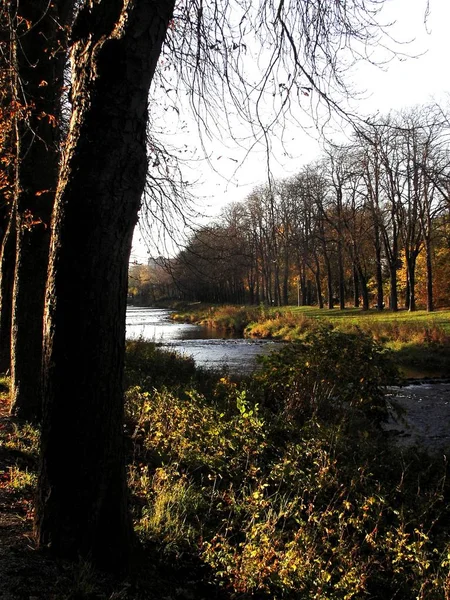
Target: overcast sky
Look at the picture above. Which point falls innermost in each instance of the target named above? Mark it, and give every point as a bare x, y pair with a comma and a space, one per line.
404, 82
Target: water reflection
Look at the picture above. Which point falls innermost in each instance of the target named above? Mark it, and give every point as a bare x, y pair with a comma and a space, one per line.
207, 347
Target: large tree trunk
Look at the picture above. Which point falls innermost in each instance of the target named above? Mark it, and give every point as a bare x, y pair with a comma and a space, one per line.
7, 263
81, 506
9, 152
41, 61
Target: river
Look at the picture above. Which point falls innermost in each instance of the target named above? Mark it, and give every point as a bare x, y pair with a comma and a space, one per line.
208, 347
426, 419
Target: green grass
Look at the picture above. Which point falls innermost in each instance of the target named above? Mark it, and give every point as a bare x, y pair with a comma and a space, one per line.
439, 318
419, 340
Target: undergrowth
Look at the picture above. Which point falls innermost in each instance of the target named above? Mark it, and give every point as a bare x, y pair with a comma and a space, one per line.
286, 485
281, 486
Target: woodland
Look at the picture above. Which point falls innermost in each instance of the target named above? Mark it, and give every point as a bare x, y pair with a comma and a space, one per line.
366, 226
106, 452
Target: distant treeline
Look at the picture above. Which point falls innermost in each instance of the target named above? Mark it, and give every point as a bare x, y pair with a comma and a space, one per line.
368, 224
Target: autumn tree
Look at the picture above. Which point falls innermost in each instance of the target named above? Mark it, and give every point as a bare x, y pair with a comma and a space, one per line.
82, 506
11, 112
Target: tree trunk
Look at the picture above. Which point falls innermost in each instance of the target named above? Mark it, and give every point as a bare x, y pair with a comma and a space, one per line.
329, 283
341, 277
411, 265
379, 273
7, 264
308, 293
355, 287
393, 280
9, 186
41, 60
364, 291
318, 283
81, 506
430, 300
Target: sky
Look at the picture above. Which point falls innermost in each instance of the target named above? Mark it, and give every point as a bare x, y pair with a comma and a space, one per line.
230, 173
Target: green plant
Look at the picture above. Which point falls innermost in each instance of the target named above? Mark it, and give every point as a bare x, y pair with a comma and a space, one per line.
298, 504
149, 366
18, 480
328, 375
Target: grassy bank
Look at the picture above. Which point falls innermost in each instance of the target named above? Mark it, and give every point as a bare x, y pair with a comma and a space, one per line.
282, 486
420, 340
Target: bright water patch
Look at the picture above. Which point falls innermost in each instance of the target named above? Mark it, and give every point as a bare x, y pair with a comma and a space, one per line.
208, 347
238, 355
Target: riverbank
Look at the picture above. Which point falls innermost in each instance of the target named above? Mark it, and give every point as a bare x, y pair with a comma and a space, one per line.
419, 341
250, 489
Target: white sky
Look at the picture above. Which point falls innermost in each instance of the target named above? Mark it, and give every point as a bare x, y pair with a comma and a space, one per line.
400, 84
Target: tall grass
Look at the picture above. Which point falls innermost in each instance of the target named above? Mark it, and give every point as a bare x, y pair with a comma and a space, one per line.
283, 505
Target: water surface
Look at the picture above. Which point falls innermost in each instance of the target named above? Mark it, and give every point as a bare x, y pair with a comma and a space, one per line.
209, 347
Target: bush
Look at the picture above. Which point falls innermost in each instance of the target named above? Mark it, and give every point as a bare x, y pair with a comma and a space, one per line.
297, 506
328, 375
150, 367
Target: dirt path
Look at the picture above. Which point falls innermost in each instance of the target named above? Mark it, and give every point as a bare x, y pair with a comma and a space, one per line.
426, 418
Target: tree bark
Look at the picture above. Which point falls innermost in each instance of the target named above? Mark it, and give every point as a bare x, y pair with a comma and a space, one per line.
41, 59
7, 264
393, 282
9, 150
379, 277
355, 287
81, 506
429, 263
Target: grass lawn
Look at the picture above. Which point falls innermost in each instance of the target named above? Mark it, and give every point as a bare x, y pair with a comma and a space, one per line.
355, 316
419, 340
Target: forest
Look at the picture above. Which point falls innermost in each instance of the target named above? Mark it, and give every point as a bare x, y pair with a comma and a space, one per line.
367, 225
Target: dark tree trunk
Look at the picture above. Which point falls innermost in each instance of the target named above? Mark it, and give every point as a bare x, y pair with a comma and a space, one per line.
81, 505
329, 283
303, 283
9, 152
393, 281
379, 273
407, 290
411, 266
364, 290
308, 293
355, 287
7, 265
430, 299
318, 284
40, 58
341, 277
286, 283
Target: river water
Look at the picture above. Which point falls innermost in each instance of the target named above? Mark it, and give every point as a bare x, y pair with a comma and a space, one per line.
426, 420
208, 348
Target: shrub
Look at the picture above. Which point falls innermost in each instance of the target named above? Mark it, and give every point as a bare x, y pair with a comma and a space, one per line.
327, 375
148, 366
297, 506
